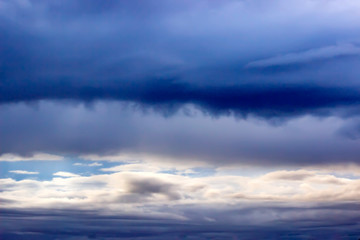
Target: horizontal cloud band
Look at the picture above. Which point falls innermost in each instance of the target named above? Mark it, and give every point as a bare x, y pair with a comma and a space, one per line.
270, 101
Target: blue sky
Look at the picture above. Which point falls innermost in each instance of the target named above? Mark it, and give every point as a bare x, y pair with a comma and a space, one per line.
179, 119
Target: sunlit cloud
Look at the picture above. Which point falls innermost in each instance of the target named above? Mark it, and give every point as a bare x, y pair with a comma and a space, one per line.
134, 185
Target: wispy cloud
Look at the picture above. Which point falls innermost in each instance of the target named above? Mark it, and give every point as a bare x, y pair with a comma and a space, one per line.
308, 56
65, 174
95, 164
23, 172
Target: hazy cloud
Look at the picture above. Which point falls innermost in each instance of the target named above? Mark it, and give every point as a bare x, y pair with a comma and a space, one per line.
118, 132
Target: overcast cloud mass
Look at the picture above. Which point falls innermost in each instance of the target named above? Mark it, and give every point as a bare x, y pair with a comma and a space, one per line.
179, 119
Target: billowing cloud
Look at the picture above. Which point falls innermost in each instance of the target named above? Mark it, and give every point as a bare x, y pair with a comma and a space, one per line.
214, 204
145, 187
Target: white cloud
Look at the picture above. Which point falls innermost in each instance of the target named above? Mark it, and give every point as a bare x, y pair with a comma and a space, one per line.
95, 164
23, 172
131, 190
9, 157
65, 174
349, 169
79, 164
133, 168
298, 175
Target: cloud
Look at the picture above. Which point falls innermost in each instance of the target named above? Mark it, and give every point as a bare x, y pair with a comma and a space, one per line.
110, 131
330, 221
302, 175
127, 191
79, 164
213, 204
290, 175
290, 100
23, 172
184, 53
153, 186
323, 53
65, 174
144, 162
9, 157
351, 130
174, 94
95, 164
133, 167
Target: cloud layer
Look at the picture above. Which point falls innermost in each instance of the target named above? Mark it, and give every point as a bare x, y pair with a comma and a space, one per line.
112, 128
181, 119
184, 204
167, 55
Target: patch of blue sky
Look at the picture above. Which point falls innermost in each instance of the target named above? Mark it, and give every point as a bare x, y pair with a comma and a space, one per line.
192, 172
46, 169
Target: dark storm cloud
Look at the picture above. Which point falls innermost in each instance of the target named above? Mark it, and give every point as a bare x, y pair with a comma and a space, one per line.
167, 94
241, 58
331, 221
165, 55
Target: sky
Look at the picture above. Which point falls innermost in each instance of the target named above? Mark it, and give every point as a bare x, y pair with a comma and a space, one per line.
179, 119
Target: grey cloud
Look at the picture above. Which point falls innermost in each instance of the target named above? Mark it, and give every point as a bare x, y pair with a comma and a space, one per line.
166, 55
301, 222
290, 175
111, 128
149, 186
308, 56
90, 77
351, 130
